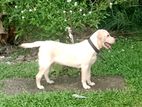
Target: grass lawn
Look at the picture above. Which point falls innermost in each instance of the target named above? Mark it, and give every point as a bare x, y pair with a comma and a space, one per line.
124, 60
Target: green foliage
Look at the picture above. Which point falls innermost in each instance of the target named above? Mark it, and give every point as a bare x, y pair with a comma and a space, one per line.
65, 99
49, 18
52, 16
124, 15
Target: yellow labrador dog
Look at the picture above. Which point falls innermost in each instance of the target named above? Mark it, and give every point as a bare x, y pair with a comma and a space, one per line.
80, 55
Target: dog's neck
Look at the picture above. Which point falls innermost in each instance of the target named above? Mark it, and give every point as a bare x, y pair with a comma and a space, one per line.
93, 46
93, 41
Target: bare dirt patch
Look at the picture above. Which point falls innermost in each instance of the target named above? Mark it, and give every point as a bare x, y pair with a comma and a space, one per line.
21, 85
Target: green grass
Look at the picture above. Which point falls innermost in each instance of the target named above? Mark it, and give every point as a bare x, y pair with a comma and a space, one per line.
124, 60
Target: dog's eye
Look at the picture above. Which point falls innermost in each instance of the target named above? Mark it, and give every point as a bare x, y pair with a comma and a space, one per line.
107, 35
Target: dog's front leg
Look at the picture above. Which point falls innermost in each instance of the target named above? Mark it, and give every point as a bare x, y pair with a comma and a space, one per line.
84, 76
89, 77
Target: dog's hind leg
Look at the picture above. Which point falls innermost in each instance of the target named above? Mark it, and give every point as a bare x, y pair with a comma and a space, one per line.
46, 75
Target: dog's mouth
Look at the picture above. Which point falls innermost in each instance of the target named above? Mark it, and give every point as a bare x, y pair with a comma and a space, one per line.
107, 45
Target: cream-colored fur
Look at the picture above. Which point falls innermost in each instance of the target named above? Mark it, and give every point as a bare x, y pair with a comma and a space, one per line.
79, 55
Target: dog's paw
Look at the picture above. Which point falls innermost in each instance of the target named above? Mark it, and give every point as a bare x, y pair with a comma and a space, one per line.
50, 82
40, 87
91, 83
86, 87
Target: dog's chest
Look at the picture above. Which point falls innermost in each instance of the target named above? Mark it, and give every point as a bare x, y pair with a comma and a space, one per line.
93, 59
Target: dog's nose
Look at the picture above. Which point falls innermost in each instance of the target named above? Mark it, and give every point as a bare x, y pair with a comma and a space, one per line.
115, 38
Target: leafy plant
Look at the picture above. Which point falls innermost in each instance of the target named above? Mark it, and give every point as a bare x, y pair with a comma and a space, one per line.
52, 17
123, 15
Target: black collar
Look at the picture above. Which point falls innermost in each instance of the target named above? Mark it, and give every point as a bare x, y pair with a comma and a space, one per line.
93, 46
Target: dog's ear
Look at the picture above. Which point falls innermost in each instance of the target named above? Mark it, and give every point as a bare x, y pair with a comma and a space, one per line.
100, 38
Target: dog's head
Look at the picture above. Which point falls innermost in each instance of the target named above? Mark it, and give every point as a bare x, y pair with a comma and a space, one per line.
104, 39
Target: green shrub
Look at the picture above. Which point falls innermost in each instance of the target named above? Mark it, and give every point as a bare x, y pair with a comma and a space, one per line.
124, 15
52, 16
49, 18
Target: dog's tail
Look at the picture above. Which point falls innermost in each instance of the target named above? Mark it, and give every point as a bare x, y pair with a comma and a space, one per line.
31, 45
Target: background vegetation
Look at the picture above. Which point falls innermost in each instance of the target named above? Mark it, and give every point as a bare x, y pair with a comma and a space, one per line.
49, 18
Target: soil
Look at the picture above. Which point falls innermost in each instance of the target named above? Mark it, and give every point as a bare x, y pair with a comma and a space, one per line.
22, 85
